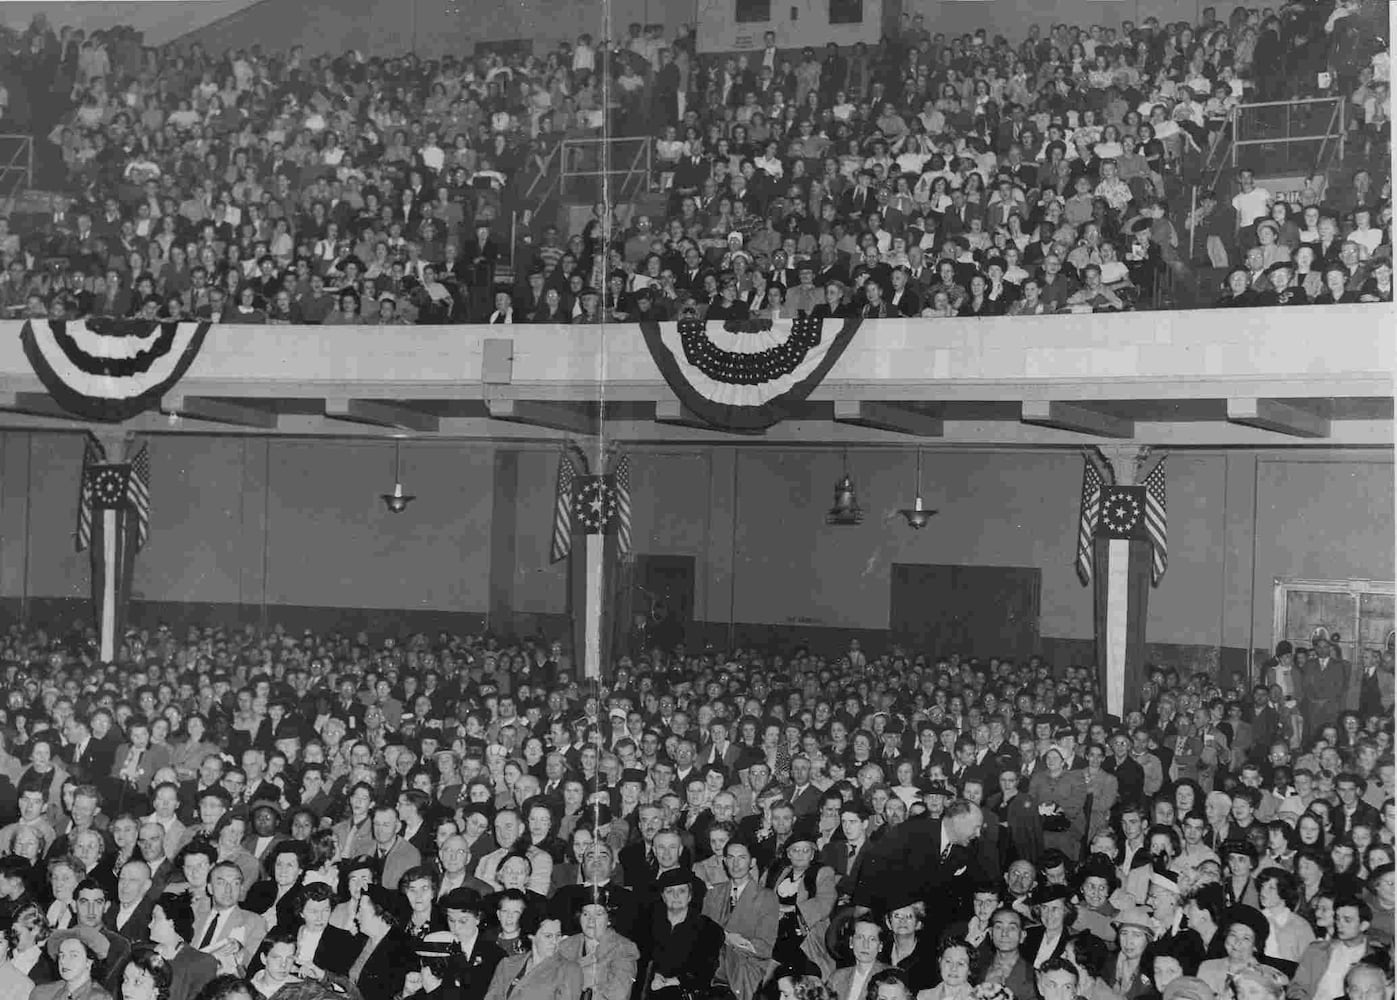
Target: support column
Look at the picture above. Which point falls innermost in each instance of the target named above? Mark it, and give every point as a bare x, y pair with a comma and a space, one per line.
504, 526
1122, 595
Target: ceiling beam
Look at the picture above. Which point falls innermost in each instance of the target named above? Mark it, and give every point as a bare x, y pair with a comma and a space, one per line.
1079, 419
557, 416
368, 411
676, 414
1274, 415
887, 417
218, 411
41, 404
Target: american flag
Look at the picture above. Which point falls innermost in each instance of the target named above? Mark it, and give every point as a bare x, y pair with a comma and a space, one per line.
138, 494
92, 454
562, 510
623, 506
1086, 526
1156, 523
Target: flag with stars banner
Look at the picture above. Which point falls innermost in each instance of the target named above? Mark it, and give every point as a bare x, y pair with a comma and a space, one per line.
1122, 513
746, 375
113, 525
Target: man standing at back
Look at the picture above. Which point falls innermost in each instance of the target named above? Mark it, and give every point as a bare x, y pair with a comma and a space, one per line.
1323, 683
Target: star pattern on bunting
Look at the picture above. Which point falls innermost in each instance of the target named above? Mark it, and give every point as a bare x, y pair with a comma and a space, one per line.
1121, 512
108, 487
595, 506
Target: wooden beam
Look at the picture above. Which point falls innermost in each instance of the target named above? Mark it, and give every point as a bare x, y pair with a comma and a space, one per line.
1274, 415
497, 361
369, 411
41, 404
219, 411
887, 417
1071, 417
676, 414
557, 416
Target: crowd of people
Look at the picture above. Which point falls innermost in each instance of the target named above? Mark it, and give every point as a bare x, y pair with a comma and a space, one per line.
925, 176
239, 815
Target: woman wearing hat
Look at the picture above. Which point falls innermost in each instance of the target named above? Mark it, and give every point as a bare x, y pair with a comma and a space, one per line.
1135, 930
76, 951
608, 960
1053, 909
805, 894
1245, 939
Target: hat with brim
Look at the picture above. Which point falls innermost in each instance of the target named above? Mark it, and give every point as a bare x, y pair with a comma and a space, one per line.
1137, 917
1189, 988
674, 877
90, 936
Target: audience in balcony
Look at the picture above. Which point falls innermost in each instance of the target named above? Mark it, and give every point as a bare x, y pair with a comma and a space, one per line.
969, 165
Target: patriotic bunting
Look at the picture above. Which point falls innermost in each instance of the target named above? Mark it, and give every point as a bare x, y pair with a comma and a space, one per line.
746, 375
114, 525
110, 369
591, 505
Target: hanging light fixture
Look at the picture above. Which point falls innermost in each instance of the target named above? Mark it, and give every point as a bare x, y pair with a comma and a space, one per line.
919, 513
397, 501
846, 509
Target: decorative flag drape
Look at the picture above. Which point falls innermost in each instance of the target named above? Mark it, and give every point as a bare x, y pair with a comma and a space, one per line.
1156, 522
113, 524
562, 510
110, 369
1086, 523
622, 487
746, 375
1129, 557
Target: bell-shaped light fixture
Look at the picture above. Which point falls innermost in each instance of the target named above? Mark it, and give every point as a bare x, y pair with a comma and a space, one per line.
919, 513
846, 509
397, 501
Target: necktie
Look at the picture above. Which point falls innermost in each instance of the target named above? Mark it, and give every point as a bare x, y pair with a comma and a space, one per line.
736, 894
209, 934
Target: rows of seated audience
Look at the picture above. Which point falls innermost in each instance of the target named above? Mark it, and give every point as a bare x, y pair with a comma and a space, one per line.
925, 176
242, 815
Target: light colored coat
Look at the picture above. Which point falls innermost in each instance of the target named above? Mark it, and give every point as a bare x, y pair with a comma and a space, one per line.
609, 971
755, 917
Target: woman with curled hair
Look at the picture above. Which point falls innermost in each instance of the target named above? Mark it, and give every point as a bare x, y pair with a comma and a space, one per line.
890, 984
321, 863
1279, 894
147, 976
28, 934
1096, 882
13, 983
954, 962
792, 984
171, 931
226, 987
1092, 957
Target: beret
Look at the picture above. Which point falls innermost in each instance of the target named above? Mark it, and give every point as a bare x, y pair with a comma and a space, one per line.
674, 877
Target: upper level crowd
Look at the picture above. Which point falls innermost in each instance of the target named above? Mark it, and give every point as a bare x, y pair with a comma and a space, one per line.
235, 815
924, 176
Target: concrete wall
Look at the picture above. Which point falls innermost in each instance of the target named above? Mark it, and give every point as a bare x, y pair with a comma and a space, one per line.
429, 27
160, 22
284, 524
1011, 18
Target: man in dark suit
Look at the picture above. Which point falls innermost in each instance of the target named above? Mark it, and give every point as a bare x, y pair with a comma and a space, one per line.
1012, 969
719, 750
926, 858
87, 758
846, 856
859, 200
1323, 684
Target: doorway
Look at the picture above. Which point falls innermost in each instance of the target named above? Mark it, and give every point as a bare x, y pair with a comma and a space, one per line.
979, 611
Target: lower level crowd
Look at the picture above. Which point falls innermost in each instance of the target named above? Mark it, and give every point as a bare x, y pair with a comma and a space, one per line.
244, 815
